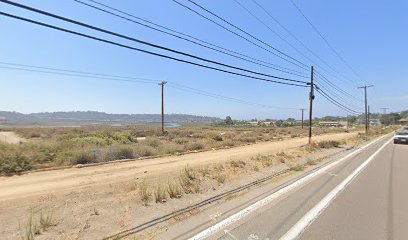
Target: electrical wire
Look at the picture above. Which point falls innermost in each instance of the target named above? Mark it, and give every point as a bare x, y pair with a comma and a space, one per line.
326, 41
241, 36
335, 95
337, 88
304, 45
271, 30
17, 66
188, 38
148, 52
217, 96
247, 33
78, 75
335, 102
117, 78
143, 42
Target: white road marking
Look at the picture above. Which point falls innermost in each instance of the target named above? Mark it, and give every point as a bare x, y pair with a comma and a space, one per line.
309, 217
229, 234
332, 174
244, 212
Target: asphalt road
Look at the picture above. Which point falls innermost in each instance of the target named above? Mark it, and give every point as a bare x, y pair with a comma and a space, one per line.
374, 205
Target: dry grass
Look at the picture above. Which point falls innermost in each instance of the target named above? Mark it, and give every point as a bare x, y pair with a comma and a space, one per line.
221, 178
50, 147
174, 190
188, 180
298, 168
160, 194
35, 226
144, 193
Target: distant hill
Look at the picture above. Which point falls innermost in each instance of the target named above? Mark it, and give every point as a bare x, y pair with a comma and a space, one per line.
94, 117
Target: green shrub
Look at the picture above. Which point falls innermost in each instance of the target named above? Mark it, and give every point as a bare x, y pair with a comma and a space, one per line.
329, 144
14, 163
218, 138
194, 146
220, 178
125, 153
152, 142
82, 158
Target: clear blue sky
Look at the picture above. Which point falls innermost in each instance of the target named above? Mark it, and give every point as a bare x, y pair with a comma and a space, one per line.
371, 35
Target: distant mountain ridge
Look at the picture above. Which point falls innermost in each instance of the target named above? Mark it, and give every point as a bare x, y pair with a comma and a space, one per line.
88, 117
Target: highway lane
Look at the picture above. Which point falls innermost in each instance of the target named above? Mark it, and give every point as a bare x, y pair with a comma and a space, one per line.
374, 206
364, 210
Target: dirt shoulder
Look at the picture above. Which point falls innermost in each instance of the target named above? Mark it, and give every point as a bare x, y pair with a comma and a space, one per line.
75, 178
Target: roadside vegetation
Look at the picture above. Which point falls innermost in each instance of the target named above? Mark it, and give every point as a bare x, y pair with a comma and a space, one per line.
207, 178
54, 147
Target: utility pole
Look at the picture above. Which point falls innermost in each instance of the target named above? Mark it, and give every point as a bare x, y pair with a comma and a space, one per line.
368, 118
366, 107
302, 109
347, 121
311, 98
384, 110
384, 113
162, 104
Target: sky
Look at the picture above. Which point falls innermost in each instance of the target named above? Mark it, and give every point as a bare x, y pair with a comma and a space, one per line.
370, 35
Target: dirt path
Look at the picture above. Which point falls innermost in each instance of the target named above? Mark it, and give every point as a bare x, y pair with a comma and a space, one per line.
58, 181
11, 137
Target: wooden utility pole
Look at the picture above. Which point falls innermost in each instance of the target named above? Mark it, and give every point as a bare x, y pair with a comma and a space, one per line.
162, 104
368, 116
366, 107
384, 113
302, 109
311, 98
347, 121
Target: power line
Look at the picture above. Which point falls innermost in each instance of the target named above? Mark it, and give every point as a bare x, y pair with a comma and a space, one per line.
217, 96
259, 20
143, 42
300, 42
335, 102
247, 33
188, 38
117, 78
271, 30
263, 23
66, 72
337, 88
325, 40
145, 51
335, 95
302, 66
79, 75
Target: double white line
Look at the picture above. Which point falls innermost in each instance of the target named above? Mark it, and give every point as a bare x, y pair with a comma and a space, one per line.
311, 215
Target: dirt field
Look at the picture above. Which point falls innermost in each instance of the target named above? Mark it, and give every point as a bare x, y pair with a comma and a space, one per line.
74, 178
97, 201
11, 137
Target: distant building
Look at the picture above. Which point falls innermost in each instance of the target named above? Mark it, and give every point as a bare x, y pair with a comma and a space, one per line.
375, 122
403, 121
265, 123
253, 123
330, 124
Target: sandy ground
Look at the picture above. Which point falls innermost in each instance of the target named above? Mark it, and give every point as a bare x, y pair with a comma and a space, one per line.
73, 178
98, 201
11, 137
